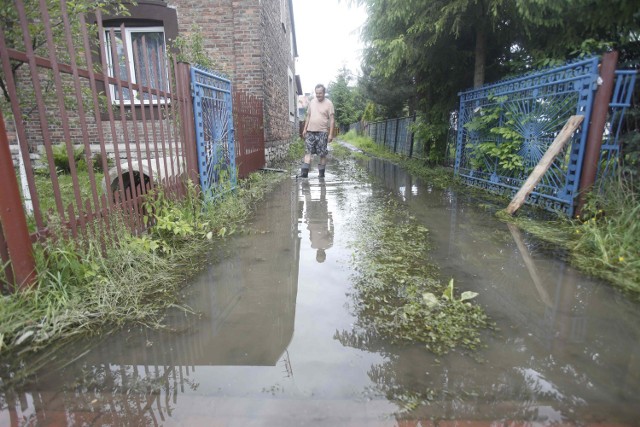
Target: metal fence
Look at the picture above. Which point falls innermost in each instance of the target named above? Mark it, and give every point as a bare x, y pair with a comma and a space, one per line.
611, 144
249, 131
119, 118
393, 134
71, 103
505, 128
213, 112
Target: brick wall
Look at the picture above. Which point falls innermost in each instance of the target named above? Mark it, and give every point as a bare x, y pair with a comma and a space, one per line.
249, 44
277, 60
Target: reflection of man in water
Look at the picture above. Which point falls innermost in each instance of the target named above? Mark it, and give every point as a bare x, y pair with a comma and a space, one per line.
319, 220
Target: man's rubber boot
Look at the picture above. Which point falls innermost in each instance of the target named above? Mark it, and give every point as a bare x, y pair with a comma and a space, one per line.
304, 170
321, 173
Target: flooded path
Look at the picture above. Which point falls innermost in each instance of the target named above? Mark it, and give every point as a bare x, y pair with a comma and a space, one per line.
272, 343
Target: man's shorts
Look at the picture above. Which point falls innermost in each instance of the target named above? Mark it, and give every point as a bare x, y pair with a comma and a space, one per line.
316, 143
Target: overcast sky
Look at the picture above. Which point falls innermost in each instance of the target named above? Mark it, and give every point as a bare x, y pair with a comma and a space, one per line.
320, 57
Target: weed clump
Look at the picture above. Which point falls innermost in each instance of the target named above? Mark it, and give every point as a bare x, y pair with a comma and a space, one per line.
398, 295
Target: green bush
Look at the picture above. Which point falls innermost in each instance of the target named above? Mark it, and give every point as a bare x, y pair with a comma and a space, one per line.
61, 158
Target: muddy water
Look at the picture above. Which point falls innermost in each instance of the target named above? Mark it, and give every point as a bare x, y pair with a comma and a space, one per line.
272, 342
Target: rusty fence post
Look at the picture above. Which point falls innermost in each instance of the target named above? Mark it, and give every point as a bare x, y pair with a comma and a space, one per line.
13, 219
188, 122
598, 121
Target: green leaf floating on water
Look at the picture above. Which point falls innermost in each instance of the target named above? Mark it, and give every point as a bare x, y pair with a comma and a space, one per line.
467, 295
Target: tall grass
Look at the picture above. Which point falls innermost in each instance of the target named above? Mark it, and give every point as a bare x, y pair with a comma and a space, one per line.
607, 236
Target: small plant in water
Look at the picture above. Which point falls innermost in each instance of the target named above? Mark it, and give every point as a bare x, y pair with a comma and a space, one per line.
398, 295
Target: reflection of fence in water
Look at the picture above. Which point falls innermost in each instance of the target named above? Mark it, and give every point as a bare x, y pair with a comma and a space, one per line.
108, 395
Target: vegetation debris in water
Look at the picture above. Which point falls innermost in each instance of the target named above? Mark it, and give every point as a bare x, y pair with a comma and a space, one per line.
398, 295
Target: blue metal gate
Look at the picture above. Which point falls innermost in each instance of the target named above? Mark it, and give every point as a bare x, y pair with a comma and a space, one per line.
213, 112
620, 101
504, 129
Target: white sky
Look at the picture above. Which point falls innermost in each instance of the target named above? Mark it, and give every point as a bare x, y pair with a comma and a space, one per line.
321, 57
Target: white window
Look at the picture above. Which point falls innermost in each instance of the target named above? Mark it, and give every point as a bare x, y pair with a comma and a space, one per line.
150, 65
292, 97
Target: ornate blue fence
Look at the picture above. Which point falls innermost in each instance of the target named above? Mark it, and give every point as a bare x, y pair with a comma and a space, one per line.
620, 101
505, 128
212, 108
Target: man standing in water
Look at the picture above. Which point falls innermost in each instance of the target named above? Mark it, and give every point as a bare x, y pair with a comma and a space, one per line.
318, 131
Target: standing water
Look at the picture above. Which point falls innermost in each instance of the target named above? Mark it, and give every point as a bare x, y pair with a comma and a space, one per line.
272, 342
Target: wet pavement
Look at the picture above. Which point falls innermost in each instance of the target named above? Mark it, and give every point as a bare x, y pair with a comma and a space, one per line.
273, 340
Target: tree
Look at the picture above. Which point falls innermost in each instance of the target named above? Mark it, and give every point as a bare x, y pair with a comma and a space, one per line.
348, 102
441, 47
395, 94
558, 30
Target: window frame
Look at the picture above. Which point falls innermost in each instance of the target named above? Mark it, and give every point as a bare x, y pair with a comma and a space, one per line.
134, 99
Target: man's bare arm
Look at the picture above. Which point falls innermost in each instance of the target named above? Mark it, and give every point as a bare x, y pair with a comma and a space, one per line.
331, 125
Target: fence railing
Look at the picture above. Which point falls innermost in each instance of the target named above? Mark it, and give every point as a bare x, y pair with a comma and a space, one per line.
393, 134
521, 118
249, 131
69, 105
505, 128
96, 122
215, 133
502, 130
611, 144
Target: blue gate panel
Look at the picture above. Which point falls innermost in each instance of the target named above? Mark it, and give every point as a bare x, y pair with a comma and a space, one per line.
505, 128
213, 111
620, 101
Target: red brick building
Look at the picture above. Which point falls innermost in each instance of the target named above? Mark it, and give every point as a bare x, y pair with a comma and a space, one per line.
253, 42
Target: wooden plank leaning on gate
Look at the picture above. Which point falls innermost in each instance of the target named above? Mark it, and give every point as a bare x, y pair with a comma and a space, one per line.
545, 163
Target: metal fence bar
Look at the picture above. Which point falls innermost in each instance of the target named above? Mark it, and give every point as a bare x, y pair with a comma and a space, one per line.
12, 219
249, 130
35, 80
187, 116
593, 146
62, 110
22, 139
80, 103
